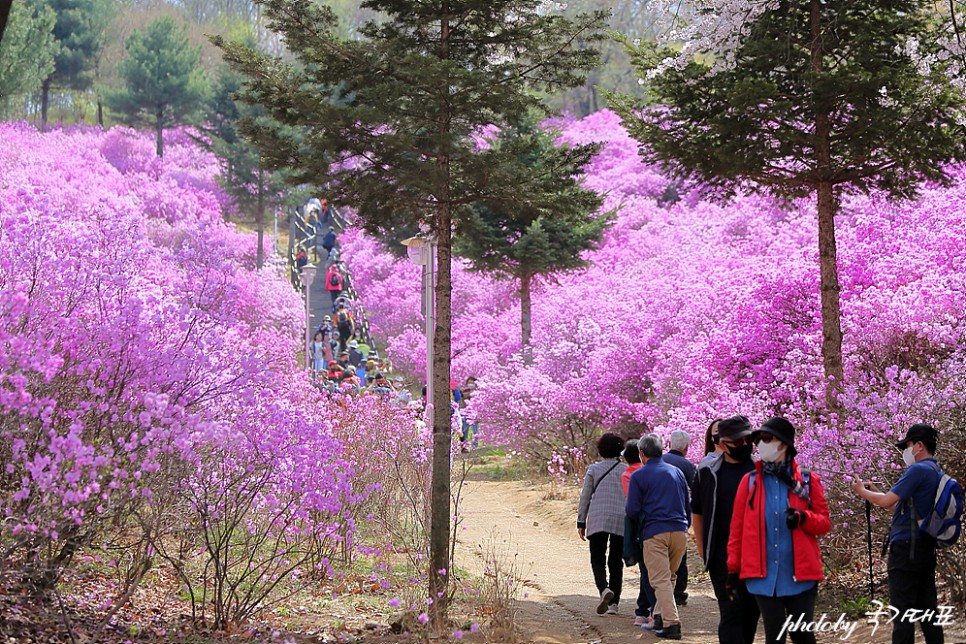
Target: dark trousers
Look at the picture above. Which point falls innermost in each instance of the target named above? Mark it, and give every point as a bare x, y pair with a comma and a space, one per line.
776, 610
681, 581
335, 295
912, 584
739, 618
601, 562
646, 600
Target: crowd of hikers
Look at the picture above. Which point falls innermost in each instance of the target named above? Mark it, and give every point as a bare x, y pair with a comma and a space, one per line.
755, 521
342, 359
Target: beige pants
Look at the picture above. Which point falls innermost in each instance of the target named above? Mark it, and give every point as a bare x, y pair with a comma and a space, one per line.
662, 556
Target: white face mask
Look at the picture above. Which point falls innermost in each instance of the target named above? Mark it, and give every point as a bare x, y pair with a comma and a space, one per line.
771, 452
907, 456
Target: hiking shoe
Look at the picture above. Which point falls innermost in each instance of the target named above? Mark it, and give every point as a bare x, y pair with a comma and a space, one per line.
605, 596
658, 622
681, 600
645, 623
612, 609
672, 632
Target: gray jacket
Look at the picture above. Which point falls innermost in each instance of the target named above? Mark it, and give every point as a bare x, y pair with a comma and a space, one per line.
605, 511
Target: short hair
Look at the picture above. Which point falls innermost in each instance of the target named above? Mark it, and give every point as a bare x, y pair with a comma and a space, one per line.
631, 455
610, 445
650, 446
709, 443
680, 440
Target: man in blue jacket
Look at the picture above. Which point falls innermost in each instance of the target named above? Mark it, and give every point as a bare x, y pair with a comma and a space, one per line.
661, 491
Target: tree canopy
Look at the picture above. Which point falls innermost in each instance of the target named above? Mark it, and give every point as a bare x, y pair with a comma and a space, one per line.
545, 232
390, 118
163, 84
27, 50
816, 98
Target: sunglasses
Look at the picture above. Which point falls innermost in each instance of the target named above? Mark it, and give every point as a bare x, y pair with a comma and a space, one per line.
762, 437
737, 442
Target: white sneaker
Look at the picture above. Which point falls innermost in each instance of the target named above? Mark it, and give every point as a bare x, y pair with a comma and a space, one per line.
605, 596
612, 609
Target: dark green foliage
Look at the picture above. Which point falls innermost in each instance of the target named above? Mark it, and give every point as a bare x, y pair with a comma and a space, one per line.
244, 177
388, 119
27, 49
889, 126
79, 30
79, 33
547, 221
822, 99
163, 84
379, 103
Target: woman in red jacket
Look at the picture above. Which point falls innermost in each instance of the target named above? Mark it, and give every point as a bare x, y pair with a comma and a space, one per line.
779, 513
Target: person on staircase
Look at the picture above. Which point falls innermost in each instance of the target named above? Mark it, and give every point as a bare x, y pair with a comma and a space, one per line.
334, 284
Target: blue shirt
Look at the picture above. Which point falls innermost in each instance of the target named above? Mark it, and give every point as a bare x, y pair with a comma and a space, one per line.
661, 491
678, 460
919, 482
779, 579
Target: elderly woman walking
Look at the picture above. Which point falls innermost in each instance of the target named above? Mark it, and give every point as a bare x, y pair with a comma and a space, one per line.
600, 519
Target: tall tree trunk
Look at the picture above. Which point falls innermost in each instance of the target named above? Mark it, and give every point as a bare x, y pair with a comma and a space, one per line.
159, 127
100, 113
525, 282
831, 306
827, 207
44, 98
260, 220
439, 538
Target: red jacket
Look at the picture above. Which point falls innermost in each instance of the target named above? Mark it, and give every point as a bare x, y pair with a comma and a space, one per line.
746, 543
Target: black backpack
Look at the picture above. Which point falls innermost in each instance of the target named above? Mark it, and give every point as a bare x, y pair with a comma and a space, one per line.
334, 280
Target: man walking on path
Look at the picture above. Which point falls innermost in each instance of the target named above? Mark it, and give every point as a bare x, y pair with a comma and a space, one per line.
678, 443
713, 500
328, 242
912, 553
334, 284
661, 491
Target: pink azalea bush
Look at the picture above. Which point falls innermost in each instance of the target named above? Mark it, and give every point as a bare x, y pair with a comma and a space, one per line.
146, 368
696, 309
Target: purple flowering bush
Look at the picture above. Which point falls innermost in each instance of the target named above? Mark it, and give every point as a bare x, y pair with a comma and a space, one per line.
694, 309
150, 391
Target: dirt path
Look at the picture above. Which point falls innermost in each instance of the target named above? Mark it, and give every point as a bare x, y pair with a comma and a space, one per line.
538, 538
555, 566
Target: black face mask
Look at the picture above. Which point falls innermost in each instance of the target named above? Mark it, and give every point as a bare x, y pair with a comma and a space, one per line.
740, 453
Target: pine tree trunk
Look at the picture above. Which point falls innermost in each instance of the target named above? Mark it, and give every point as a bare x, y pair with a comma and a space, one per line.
260, 220
831, 306
525, 312
827, 253
100, 114
159, 126
439, 537
4, 16
44, 98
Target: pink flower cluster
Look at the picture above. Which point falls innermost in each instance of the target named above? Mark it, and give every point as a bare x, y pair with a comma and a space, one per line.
694, 309
142, 354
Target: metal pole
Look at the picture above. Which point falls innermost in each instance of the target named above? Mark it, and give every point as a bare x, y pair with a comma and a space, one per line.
275, 232
308, 327
430, 285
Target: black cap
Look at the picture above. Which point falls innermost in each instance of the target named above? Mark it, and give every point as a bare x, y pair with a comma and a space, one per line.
734, 428
781, 429
918, 432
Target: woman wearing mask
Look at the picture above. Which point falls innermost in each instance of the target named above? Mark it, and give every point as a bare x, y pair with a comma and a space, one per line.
779, 513
600, 518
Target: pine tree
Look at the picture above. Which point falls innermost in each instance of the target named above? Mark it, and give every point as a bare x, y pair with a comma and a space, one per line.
27, 50
544, 226
817, 98
244, 177
397, 108
79, 31
163, 84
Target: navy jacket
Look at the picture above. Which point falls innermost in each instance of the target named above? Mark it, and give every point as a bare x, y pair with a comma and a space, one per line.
660, 491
